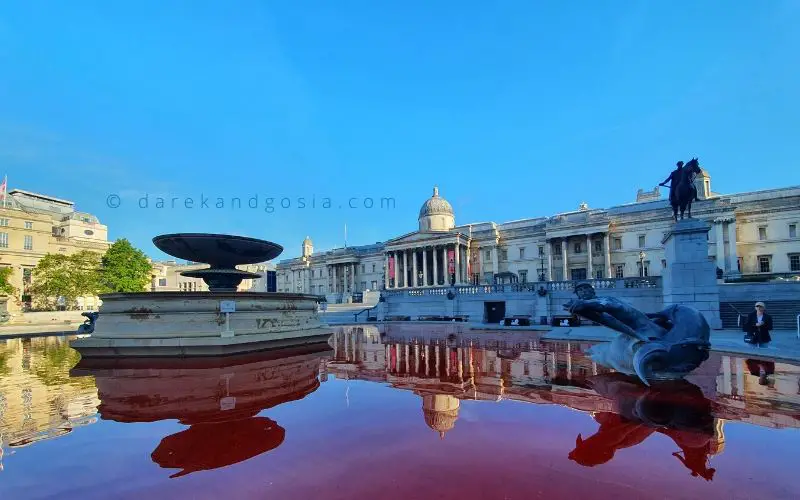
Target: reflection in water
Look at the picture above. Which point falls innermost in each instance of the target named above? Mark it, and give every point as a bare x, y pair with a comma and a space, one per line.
677, 409
38, 400
218, 398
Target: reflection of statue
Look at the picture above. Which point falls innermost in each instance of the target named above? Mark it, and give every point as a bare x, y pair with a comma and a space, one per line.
682, 190
661, 346
88, 324
676, 409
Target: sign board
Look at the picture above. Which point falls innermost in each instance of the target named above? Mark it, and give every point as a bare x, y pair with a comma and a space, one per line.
227, 403
227, 306
451, 261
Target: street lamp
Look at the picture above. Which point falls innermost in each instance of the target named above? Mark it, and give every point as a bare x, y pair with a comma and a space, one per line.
541, 269
642, 255
419, 279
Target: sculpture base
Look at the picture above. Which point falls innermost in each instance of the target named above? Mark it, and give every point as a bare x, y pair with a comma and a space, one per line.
197, 324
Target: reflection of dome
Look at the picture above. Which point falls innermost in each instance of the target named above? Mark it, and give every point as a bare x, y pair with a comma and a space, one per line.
436, 214
440, 411
718, 442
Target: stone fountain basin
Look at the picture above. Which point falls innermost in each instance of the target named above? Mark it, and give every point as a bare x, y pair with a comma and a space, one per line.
190, 323
217, 250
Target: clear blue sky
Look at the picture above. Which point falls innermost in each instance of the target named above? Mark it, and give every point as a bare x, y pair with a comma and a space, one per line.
517, 110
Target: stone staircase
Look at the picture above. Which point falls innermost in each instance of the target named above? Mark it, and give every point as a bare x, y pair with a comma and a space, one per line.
784, 313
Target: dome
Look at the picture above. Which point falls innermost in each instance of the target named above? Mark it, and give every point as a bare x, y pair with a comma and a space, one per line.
440, 412
307, 241
435, 205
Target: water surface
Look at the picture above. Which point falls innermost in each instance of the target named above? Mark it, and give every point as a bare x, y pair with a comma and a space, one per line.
396, 411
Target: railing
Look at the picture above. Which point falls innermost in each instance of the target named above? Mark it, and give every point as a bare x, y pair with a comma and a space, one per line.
738, 316
798, 326
356, 315
531, 287
764, 277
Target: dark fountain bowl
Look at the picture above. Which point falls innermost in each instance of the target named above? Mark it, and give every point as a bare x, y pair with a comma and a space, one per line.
220, 251
217, 250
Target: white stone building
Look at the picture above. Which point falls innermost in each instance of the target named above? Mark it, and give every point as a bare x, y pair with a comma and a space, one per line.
753, 233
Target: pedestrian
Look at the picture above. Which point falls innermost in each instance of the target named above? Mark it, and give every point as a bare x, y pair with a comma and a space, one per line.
758, 326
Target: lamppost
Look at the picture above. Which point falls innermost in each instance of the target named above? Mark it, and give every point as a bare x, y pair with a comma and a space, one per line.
642, 255
541, 269
419, 279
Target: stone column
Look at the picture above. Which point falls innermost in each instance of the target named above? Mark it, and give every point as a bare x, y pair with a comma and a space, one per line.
424, 267
589, 268
457, 251
405, 268
396, 270
690, 278
352, 278
607, 255
720, 244
386, 270
414, 269
495, 263
445, 267
733, 255
564, 267
435, 266
548, 248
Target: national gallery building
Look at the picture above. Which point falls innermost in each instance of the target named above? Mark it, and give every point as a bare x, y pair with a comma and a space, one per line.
753, 233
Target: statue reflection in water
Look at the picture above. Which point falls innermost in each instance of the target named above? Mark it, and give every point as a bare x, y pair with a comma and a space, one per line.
677, 409
218, 398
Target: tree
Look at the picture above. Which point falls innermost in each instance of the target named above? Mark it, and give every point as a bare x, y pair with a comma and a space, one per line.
125, 268
68, 276
52, 279
5, 281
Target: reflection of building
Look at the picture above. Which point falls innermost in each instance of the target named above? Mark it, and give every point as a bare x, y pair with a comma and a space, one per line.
33, 225
456, 363
754, 233
38, 401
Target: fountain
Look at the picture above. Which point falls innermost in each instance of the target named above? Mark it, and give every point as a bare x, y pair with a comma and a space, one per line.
219, 321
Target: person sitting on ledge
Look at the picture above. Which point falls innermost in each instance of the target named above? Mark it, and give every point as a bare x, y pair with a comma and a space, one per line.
758, 326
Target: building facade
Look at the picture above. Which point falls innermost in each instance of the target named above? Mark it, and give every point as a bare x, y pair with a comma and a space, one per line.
753, 233
33, 225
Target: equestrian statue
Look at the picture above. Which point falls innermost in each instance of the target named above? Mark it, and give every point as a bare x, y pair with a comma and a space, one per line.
682, 191
667, 345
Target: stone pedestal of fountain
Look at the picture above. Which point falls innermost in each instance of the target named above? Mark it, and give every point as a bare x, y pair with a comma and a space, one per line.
220, 321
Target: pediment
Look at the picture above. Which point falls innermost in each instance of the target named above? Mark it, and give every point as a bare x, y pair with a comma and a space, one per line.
421, 237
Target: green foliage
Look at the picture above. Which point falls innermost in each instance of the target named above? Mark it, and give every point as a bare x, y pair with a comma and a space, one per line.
68, 276
54, 363
125, 268
5, 281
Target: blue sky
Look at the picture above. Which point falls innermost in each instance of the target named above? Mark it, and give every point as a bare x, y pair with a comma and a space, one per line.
515, 110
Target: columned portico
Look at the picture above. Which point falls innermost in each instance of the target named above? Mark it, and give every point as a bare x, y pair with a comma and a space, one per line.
426, 247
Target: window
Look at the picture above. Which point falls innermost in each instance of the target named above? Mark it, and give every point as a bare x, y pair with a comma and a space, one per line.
541, 251
792, 230
644, 271
311, 289
363, 285
557, 250
487, 277
577, 248
28, 244
88, 232
764, 263
373, 268
641, 241
312, 273
3, 240
523, 276
488, 255
794, 262
619, 270
322, 289
521, 253
578, 274
374, 285
598, 246
162, 281
664, 263
762, 233
599, 272
3, 222
503, 254
28, 224
617, 243
363, 268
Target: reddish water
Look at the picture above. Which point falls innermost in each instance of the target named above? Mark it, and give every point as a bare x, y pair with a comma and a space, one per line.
401, 412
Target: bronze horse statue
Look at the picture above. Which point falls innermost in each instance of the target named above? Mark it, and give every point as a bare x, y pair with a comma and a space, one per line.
682, 191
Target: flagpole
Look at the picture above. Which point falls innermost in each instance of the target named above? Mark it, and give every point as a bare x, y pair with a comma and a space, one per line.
345, 235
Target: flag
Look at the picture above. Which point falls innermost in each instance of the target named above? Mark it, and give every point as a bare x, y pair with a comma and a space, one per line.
4, 189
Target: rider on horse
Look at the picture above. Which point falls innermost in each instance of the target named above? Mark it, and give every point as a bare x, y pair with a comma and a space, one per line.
674, 179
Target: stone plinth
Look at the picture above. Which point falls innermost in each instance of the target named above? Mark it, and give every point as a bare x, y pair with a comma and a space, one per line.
690, 278
191, 323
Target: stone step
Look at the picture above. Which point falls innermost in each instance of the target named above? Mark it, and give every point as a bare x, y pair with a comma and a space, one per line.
784, 313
